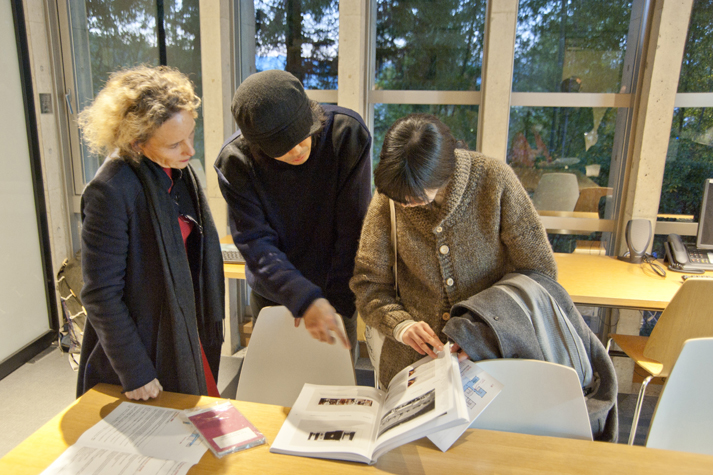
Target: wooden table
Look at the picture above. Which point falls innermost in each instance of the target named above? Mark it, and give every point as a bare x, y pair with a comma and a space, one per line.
600, 281
234, 271
604, 281
478, 451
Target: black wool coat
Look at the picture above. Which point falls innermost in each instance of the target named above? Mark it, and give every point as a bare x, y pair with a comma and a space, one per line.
149, 301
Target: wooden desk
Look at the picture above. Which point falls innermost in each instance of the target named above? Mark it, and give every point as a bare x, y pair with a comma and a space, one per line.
604, 281
232, 271
601, 281
478, 451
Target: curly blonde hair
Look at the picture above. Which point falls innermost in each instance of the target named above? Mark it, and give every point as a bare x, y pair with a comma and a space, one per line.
132, 105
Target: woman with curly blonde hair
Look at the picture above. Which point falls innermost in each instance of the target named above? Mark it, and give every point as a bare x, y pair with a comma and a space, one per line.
151, 261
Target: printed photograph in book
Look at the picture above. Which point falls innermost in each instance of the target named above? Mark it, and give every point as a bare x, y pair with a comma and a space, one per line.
405, 412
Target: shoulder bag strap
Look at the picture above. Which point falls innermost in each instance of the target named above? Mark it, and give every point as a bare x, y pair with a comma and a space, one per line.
394, 241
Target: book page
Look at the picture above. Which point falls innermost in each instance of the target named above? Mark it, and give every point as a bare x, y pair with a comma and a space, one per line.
479, 389
331, 419
416, 393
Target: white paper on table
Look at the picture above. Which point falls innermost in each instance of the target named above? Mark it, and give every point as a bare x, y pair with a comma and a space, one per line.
480, 389
80, 460
130, 439
157, 432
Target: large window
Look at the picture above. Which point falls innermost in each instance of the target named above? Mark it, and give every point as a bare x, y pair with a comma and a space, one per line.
424, 46
689, 160
108, 36
574, 67
299, 36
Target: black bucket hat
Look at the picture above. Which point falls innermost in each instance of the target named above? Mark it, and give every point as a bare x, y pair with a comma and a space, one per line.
273, 112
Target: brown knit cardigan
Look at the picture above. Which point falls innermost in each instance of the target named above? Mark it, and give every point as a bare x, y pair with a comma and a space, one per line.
485, 227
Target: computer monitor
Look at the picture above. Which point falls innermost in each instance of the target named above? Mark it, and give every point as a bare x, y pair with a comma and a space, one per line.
704, 240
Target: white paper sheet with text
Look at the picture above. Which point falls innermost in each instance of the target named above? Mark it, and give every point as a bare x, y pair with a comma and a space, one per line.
133, 435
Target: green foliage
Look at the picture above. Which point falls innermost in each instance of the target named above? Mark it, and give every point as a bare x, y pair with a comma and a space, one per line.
557, 39
123, 34
426, 45
696, 75
306, 32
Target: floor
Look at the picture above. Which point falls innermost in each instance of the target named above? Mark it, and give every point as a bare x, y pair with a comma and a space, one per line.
43, 387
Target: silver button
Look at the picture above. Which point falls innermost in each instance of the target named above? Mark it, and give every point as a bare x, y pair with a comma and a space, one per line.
444, 249
439, 229
449, 282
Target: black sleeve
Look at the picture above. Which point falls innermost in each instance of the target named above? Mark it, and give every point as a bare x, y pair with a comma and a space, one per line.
352, 144
280, 281
105, 244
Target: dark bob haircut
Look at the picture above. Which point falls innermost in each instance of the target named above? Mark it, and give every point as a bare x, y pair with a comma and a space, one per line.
418, 155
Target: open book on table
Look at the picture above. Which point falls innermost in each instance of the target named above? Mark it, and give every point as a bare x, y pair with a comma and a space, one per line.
359, 423
479, 389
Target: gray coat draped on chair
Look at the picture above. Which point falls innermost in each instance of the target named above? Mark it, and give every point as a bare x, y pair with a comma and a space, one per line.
491, 324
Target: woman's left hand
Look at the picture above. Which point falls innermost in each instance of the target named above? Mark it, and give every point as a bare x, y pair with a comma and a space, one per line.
146, 392
420, 337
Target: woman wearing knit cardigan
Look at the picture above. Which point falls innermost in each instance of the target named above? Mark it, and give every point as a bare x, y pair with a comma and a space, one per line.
463, 221
151, 260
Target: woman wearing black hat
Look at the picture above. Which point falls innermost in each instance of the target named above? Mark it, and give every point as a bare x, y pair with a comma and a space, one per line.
151, 260
296, 177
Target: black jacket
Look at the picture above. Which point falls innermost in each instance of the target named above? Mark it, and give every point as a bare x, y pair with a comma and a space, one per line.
299, 226
144, 317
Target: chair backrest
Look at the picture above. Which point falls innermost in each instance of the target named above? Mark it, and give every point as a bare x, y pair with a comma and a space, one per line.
281, 359
683, 419
538, 398
556, 192
688, 315
589, 198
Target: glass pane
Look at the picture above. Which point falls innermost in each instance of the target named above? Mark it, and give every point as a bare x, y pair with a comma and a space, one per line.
567, 243
560, 41
121, 34
425, 45
462, 121
689, 162
696, 67
301, 37
563, 158
562, 139
108, 36
183, 52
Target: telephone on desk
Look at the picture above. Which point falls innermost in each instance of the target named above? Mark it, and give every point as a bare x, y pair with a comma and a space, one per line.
686, 258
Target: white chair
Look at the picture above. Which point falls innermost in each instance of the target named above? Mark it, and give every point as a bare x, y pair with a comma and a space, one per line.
538, 398
683, 419
281, 358
556, 192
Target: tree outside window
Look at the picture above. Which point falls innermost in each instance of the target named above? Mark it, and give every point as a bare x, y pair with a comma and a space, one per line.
424, 45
